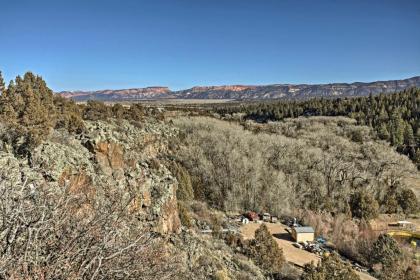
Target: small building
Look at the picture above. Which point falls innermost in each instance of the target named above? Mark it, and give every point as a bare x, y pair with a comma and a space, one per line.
303, 234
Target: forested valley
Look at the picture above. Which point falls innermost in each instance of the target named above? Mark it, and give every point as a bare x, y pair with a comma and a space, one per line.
395, 117
130, 191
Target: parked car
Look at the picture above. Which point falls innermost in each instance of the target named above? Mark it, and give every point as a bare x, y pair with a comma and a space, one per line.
266, 217
252, 216
304, 243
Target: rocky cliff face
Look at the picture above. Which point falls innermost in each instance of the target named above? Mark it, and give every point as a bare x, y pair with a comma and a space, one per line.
111, 156
242, 92
119, 95
302, 91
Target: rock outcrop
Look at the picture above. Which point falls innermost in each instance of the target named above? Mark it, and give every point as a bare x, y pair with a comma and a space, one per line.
110, 156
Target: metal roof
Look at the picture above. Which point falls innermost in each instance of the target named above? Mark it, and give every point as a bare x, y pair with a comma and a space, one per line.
304, 229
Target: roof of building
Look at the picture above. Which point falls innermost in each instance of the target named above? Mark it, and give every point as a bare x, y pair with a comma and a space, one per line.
404, 222
304, 229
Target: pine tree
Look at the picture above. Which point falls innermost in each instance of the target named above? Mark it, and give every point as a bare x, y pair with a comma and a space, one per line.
397, 129
409, 135
383, 132
2, 84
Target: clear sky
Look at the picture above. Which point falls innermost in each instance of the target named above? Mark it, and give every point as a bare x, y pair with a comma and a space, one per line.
98, 44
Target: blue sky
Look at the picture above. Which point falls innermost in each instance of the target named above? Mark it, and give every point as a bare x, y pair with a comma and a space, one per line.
98, 44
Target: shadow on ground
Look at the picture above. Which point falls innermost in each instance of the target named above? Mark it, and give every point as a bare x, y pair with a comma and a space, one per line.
284, 236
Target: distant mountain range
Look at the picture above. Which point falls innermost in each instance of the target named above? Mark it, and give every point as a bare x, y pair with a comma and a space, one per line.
244, 92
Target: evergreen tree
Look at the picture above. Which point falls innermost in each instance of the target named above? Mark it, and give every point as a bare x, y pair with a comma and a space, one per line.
397, 129
363, 205
409, 135
408, 201
27, 107
390, 203
266, 252
2, 84
385, 250
383, 132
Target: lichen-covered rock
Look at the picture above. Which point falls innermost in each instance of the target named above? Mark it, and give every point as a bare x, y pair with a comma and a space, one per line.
113, 155
62, 152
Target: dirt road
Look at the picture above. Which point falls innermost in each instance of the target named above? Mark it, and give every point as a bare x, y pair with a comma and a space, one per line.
283, 239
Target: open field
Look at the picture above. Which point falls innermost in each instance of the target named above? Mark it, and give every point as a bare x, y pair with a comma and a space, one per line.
292, 254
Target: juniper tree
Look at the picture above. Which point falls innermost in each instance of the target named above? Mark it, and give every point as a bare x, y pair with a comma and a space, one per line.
363, 205
266, 252
385, 250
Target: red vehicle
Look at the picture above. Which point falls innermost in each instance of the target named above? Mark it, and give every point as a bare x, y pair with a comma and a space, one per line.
252, 216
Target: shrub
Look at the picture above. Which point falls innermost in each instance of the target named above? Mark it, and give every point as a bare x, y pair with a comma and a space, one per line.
357, 136
69, 115
96, 110
184, 215
408, 201
56, 234
390, 203
185, 190
118, 111
385, 250
154, 164
330, 267
136, 112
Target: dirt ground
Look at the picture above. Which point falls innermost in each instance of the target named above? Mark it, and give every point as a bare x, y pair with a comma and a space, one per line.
284, 240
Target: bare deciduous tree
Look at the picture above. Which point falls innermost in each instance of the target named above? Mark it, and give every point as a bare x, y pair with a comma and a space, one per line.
48, 233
